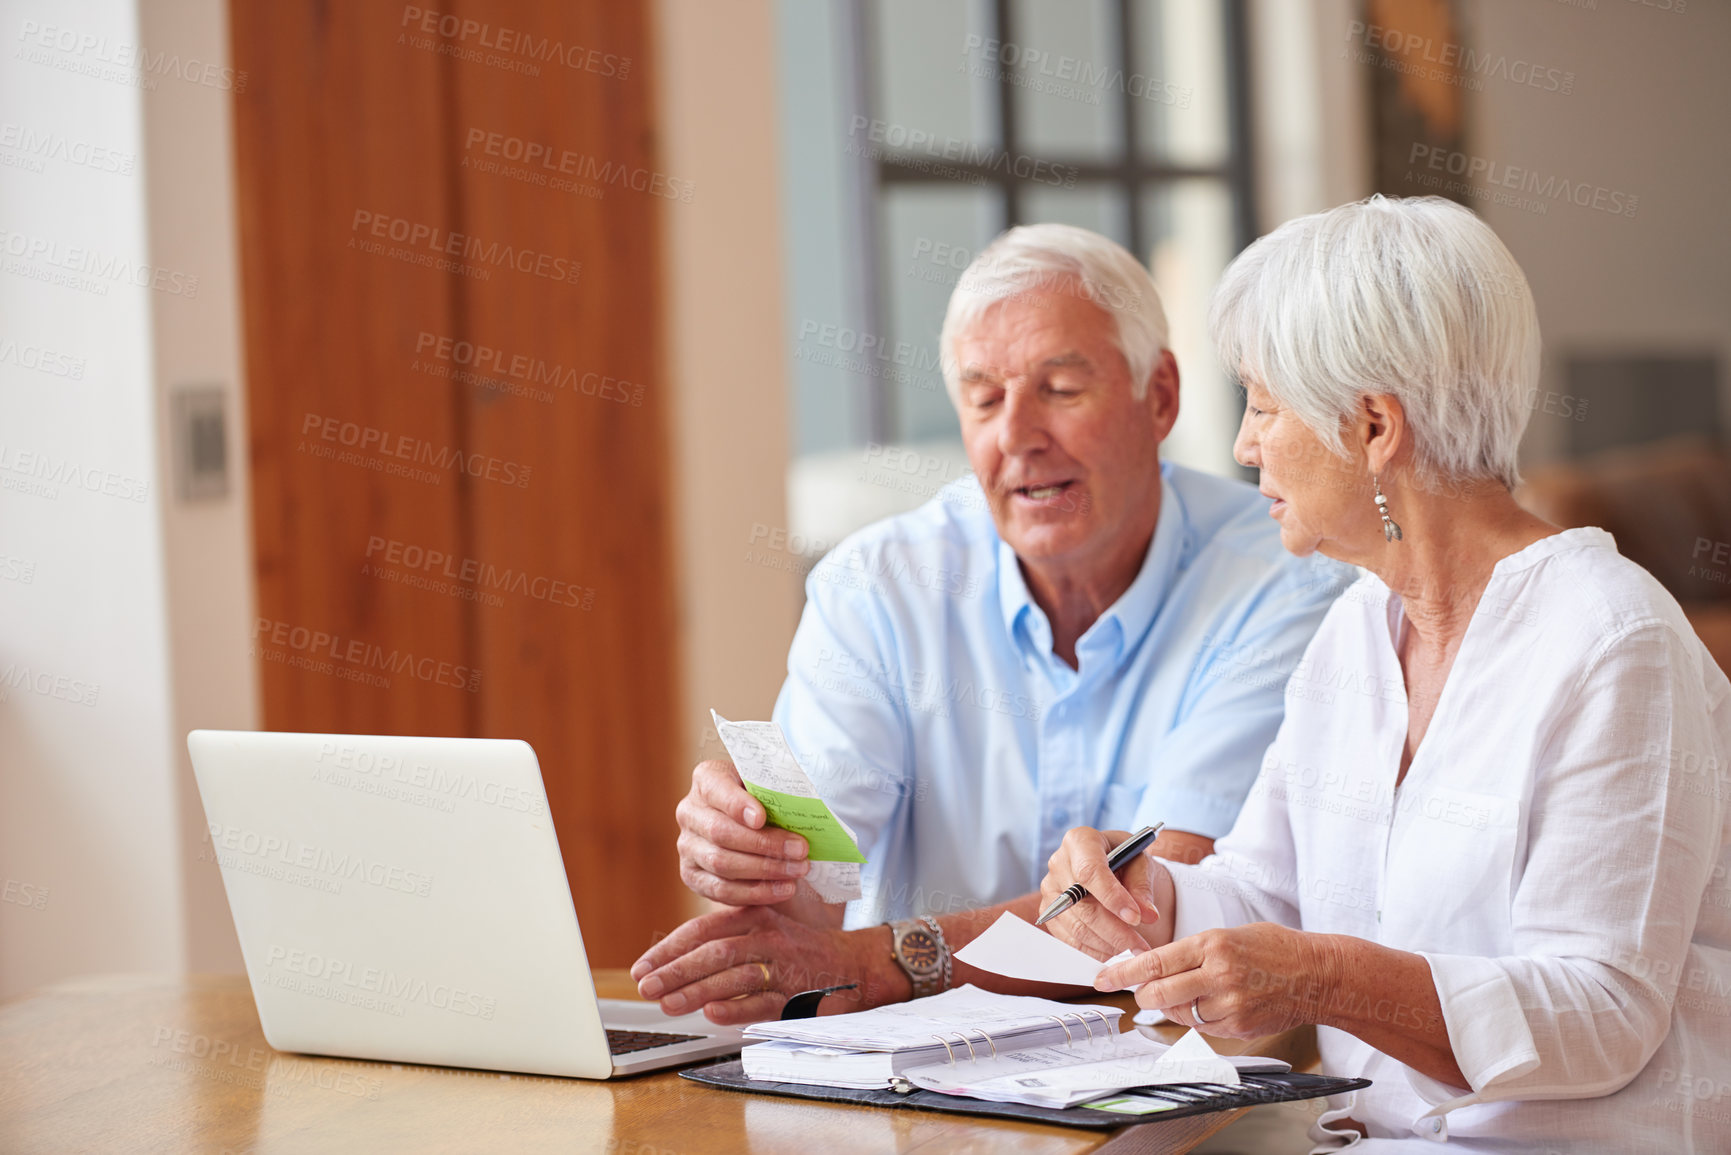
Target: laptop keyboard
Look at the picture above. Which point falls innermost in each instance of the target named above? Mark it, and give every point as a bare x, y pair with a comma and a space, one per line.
625, 1042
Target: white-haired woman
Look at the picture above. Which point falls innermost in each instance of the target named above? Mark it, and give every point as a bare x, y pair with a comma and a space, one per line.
1487, 853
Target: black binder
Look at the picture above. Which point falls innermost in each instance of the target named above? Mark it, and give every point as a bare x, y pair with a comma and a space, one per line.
1191, 1099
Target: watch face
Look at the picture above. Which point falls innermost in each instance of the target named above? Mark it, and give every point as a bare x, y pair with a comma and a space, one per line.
919, 949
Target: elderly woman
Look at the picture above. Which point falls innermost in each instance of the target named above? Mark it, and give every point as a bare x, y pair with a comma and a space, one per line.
1487, 852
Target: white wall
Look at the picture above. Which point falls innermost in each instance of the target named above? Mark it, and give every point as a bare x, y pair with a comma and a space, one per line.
1310, 144
1643, 116
112, 174
1647, 118
722, 272
87, 802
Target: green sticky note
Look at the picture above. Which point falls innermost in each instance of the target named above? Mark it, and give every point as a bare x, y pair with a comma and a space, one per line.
1131, 1105
812, 820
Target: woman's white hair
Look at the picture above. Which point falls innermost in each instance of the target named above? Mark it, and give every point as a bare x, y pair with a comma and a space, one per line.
1060, 259
1415, 298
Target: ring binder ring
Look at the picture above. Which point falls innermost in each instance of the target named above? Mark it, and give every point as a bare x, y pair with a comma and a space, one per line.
1105, 1023
962, 1035
947, 1050
1084, 1023
989, 1041
1059, 1019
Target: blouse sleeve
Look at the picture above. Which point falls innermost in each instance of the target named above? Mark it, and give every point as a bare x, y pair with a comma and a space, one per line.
1252, 875
1622, 844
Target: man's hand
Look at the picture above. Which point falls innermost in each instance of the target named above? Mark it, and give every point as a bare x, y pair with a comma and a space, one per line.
742, 965
1115, 915
725, 854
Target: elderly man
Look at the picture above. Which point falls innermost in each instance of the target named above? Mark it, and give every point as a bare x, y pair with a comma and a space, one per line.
1084, 666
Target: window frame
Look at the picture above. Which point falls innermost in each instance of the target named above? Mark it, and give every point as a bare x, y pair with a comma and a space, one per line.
1132, 173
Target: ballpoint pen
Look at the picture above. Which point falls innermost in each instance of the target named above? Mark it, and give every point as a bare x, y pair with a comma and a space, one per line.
1121, 856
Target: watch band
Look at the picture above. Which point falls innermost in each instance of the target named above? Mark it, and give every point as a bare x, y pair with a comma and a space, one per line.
943, 946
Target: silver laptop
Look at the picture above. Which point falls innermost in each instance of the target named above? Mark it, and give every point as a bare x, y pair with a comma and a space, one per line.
404, 899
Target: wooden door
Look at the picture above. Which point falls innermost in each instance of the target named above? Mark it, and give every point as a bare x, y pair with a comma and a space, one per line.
449, 239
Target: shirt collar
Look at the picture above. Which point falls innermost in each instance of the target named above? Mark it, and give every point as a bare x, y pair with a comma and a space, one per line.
1126, 620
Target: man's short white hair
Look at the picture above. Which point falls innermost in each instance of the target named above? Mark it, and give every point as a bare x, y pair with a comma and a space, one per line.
1060, 259
1413, 297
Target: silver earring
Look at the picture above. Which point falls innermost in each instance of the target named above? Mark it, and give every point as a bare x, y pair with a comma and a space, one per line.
1390, 527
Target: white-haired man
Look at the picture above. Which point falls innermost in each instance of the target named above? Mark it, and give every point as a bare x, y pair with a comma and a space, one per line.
1086, 666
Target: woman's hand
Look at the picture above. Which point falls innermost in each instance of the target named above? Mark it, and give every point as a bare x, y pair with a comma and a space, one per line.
1118, 914
1247, 981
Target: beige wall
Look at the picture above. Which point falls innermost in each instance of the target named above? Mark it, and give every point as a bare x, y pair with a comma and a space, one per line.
207, 550
726, 358
1646, 117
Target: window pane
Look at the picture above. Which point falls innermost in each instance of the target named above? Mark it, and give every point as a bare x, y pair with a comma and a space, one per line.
930, 233
1180, 80
1100, 207
922, 49
1063, 62
1189, 226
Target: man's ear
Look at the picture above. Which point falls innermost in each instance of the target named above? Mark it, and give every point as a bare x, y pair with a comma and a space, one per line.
1162, 396
1381, 429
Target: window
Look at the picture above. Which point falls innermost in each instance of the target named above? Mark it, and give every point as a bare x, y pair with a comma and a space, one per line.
917, 130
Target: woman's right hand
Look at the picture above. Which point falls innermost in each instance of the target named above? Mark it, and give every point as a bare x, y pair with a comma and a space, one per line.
1120, 913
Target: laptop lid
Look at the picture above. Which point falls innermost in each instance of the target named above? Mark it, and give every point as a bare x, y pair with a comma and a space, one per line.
402, 899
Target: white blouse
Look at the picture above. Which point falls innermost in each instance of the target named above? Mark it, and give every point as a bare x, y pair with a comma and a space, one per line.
1557, 854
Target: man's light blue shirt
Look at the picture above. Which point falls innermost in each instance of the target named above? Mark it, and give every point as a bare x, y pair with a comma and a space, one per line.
925, 701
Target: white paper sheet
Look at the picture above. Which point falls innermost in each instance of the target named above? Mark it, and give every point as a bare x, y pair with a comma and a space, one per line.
949, 1015
763, 758
1017, 949
1064, 1075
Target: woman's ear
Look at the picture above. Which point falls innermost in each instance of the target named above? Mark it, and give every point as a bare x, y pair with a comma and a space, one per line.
1381, 430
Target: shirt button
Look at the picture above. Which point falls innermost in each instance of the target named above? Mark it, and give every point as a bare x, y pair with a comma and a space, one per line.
1436, 1126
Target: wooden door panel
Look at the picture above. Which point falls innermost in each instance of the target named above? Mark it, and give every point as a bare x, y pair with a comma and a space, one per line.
460, 487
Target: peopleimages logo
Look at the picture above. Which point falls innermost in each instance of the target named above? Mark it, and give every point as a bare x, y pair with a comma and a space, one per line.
357, 760
529, 49
76, 261
340, 974
1495, 175
86, 53
526, 368
544, 163
41, 359
292, 854
442, 243
48, 684
473, 572
365, 439
923, 144
312, 648
1409, 52
41, 146
46, 468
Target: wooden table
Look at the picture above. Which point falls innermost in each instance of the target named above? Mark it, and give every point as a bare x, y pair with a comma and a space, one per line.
170, 1063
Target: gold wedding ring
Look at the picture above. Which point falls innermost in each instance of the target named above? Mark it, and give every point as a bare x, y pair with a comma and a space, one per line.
768, 983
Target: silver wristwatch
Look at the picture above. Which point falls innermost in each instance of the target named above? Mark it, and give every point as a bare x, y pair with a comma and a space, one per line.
918, 945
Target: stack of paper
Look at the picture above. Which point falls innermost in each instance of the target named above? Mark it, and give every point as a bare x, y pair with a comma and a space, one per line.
868, 1048
1063, 1076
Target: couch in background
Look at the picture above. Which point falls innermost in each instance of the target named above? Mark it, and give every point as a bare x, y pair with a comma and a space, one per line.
1668, 504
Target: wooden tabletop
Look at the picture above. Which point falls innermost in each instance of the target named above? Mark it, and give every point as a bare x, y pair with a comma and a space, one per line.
173, 1063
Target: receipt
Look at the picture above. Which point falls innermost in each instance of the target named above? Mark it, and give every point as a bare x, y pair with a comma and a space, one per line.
772, 775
